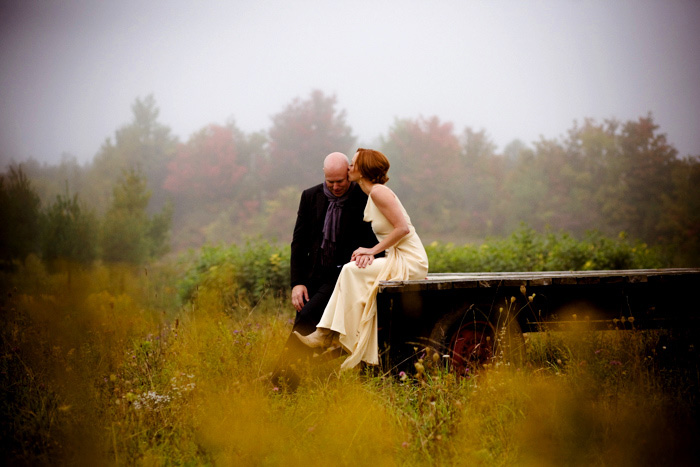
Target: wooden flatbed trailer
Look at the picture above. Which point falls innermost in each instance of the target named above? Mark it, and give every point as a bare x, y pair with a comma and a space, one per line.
464, 316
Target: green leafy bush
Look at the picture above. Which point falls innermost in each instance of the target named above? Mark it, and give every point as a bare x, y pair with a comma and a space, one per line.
237, 275
527, 250
231, 277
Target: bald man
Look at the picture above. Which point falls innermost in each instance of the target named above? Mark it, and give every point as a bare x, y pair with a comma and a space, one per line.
328, 229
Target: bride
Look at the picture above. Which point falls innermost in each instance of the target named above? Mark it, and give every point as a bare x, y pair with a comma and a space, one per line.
350, 318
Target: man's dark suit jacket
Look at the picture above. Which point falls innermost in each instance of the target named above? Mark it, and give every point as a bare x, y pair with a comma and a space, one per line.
306, 253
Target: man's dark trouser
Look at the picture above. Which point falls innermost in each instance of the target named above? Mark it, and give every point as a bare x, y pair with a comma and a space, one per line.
305, 323
309, 316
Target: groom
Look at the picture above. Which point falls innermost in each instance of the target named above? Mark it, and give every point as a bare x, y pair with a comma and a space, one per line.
328, 229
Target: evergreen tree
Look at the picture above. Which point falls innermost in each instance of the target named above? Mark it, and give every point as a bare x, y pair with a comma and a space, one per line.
70, 232
129, 234
144, 145
20, 227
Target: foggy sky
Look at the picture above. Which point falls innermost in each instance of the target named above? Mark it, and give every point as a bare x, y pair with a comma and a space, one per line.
70, 70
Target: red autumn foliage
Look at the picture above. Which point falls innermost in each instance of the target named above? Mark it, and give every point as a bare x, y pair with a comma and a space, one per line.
207, 166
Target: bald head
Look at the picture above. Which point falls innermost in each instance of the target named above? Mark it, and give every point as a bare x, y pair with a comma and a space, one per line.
335, 161
335, 169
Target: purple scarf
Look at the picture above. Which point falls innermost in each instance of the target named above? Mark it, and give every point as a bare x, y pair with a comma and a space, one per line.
331, 224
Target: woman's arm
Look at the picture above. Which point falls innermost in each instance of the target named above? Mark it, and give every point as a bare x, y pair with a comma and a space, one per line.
386, 202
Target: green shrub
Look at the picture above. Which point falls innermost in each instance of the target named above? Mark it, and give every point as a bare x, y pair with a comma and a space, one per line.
242, 275
527, 250
238, 275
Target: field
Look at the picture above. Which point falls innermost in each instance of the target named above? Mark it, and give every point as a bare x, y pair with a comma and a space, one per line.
123, 365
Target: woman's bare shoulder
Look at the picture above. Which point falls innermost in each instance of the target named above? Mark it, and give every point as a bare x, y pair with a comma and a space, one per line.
381, 191
382, 194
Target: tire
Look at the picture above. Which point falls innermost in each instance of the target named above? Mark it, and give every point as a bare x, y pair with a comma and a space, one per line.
469, 339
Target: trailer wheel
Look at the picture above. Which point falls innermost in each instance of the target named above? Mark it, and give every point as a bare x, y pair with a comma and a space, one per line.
470, 338
465, 337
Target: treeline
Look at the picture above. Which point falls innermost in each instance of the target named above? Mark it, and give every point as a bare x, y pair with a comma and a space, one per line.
66, 232
224, 185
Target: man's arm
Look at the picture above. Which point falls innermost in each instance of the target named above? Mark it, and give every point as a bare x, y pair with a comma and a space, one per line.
301, 240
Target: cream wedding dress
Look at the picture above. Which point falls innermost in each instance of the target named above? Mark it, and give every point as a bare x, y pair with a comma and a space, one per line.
352, 309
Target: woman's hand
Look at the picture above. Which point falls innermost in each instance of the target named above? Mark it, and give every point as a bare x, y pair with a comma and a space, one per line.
362, 257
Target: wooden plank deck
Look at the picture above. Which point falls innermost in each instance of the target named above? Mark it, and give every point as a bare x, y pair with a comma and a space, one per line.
447, 281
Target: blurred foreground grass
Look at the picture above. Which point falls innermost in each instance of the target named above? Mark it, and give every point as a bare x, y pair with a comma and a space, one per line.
105, 366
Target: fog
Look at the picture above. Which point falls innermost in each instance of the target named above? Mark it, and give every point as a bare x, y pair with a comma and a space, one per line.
70, 70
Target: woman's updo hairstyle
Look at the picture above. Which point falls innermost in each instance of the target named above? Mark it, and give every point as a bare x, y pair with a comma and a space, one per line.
372, 165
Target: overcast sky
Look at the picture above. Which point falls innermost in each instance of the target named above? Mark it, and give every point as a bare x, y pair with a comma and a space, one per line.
70, 70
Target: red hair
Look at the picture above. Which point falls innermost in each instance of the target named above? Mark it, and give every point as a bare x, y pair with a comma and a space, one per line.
373, 165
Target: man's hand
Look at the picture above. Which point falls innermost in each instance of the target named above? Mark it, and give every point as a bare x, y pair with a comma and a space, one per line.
362, 257
299, 296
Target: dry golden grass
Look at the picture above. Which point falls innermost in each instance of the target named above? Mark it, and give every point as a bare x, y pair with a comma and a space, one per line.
99, 367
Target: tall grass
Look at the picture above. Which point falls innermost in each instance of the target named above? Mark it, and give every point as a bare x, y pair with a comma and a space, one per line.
105, 366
